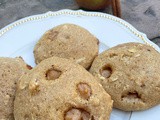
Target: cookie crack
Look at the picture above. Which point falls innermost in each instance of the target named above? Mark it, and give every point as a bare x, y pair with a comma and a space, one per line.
133, 97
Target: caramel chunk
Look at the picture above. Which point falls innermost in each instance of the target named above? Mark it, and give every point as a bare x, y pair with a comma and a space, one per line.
52, 74
106, 72
84, 90
29, 67
77, 114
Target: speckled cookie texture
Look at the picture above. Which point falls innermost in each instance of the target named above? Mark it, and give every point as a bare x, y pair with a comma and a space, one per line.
68, 41
130, 74
11, 69
57, 89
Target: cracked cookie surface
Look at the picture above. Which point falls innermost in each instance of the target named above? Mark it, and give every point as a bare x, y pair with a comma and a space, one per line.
70, 93
130, 74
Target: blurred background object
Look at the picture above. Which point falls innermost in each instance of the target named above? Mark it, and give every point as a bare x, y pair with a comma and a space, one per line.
142, 14
116, 7
101, 5
94, 4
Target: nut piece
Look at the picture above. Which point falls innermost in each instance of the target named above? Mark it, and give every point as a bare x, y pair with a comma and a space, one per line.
101, 77
133, 50
113, 78
106, 72
137, 55
77, 114
80, 60
84, 90
34, 87
52, 74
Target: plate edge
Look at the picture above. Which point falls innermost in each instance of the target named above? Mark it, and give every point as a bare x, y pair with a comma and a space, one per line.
137, 33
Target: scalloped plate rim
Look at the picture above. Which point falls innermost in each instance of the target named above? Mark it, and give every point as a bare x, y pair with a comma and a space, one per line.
85, 12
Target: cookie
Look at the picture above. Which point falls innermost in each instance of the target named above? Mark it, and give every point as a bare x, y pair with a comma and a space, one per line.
58, 89
68, 41
130, 74
11, 69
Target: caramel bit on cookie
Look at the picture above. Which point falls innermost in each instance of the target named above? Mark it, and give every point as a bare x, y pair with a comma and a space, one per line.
29, 67
106, 71
84, 90
52, 74
77, 114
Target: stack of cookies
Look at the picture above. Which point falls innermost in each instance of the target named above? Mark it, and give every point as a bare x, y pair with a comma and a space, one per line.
61, 88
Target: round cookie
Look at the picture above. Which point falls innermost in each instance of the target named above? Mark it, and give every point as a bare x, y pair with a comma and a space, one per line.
11, 69
130, 74
57, 89
68, 41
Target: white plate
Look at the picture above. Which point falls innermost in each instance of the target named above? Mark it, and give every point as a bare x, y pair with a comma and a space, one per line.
19, 38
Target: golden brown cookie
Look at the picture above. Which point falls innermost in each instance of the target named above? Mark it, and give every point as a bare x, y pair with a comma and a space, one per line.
68, 41
57, 89
130, 73
11, 69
